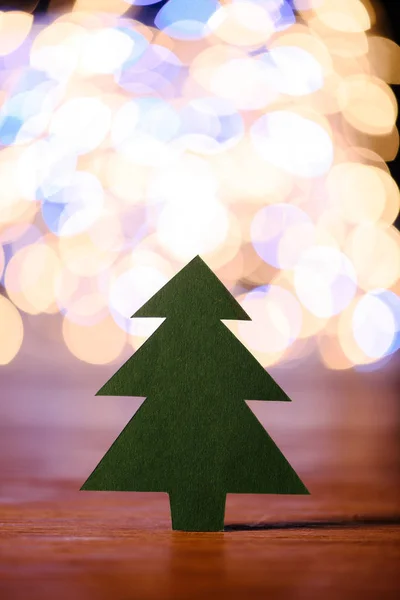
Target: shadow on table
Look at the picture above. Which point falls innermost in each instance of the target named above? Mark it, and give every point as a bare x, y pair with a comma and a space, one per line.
355, 522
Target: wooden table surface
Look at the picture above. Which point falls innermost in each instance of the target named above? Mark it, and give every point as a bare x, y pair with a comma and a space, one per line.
97, 546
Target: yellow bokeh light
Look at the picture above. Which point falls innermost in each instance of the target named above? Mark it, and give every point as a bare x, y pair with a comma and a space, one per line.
83, 256
207, 62
358, 192
332, 354
126, 179
2, 260
331, 230
115, 7
352, 45
242, 23
11, 331
385, 145
57, 47
375, 252
12, 229
87, 309
98, 344
14, 28
300, 36
346, 339
13, 206
30, 278
245, 177
349, 16
384, 58
368, 104
311, 324
226, 252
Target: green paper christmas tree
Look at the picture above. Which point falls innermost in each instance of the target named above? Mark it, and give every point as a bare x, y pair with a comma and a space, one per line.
194, 437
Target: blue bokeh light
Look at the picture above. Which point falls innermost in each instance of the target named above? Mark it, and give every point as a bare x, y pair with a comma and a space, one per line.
186, 20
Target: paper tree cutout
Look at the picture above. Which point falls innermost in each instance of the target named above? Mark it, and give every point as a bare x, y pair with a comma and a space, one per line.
194, 436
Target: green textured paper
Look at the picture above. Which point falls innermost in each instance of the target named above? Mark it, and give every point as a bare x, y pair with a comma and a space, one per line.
194, 436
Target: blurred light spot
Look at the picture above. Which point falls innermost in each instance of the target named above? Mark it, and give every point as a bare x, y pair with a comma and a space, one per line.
56, 49
151, 69
75, 207
301, 38
129, 291
325, 281
184, 182
83, 256
2, 261
276, 319
307, 4
368, 104
191, 229
104, 51
142, 2
293, 71
98, 344
244, 175
126, 179
374, 326
25, 115
280, 233
207, 62
349, 16
293, 143
186, 20
332, 352
242, 23
210, 124
30, 278
116, 7
244, 81
45, 165
14, 28
359, 194
226, 260
375, 253
11, 331
384, 58
150, 116
81, 124
87, 309
141, 129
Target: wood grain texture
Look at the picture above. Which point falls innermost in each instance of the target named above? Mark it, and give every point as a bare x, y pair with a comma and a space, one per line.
119, 546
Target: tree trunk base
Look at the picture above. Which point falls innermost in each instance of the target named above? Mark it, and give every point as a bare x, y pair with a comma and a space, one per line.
197, 510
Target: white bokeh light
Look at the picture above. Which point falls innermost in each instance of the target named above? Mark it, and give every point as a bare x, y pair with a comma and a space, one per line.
142, 129
374, 326
293, 143
325, 281
188, 179
276, 319
81, 124
45, 167
280, 233
82, 200
294, 71
129, 292
185, 231
104, 51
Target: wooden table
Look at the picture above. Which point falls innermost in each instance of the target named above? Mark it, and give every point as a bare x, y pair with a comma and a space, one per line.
80, 546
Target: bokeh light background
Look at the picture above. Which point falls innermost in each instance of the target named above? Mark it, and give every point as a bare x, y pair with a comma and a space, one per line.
252, 132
